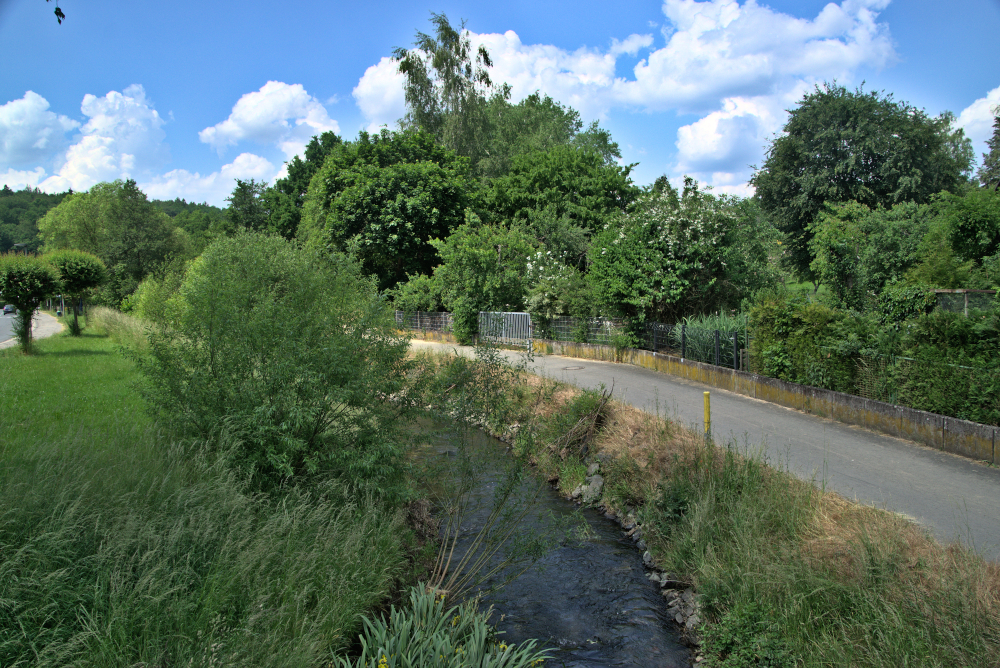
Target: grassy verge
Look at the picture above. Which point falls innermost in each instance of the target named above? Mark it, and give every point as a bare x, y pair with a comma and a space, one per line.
121, 546
785, 573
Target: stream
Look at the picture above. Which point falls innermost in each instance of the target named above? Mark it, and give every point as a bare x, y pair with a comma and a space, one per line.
588, 598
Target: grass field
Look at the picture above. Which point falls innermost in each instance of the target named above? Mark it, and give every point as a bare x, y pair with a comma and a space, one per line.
70, 386
121, 546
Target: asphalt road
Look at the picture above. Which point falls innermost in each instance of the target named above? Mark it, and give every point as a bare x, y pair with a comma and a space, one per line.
44, 325
6, 326
954, 497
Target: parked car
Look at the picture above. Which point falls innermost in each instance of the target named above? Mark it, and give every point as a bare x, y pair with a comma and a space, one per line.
9, 308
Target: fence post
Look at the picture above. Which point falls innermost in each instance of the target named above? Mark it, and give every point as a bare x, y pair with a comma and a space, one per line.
716, 347
654, 337
736, 351
684, 341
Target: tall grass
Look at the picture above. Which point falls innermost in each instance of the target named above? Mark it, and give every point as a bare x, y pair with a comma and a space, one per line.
831, 583
120, 546
787, 574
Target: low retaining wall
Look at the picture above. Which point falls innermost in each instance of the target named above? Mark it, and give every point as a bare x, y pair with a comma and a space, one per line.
961, 437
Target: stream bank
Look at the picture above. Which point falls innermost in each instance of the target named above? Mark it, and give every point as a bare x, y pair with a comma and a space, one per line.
589, 598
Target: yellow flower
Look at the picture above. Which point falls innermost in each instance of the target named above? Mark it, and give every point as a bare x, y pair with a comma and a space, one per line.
454, 622
383, 662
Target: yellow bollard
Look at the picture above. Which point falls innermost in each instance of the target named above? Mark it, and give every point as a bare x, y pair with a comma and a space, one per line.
708, 417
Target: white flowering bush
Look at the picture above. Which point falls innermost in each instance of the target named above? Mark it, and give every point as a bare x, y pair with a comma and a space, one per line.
666, 257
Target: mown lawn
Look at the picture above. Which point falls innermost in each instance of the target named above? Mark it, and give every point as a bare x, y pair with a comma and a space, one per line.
71, 386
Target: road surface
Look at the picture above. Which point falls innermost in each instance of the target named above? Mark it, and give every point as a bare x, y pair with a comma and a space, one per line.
956, 498
44, 325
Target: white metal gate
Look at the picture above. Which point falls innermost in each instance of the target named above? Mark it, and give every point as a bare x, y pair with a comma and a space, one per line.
514, 329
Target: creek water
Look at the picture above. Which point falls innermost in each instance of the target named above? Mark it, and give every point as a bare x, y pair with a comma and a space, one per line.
588, 598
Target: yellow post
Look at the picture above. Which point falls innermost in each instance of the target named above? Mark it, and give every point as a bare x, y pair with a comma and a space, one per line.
708, 417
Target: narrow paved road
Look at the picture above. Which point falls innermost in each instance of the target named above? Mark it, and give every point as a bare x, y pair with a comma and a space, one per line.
956, 498
44, 325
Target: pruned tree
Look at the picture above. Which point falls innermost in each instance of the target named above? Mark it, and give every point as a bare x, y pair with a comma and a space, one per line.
80, 272
25, 280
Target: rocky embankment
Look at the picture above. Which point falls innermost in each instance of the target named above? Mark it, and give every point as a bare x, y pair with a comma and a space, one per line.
682, 600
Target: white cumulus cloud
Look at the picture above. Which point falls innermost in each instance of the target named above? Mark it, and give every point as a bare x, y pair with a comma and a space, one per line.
977, 120
123, 138
738, 65
720, 49
20, 179
279, 113
380, 96
30, 133
213, 188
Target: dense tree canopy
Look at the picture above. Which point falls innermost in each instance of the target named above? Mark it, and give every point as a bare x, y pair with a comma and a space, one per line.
383, 197
115, 222
286, 197
665, 258
563, 195
989, 170
483, 268
19, 214
840, 145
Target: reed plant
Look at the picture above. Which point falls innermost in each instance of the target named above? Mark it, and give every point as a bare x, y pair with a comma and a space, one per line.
429, 635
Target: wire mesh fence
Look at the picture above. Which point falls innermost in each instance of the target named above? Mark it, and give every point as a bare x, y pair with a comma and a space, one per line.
424, 320
962, 301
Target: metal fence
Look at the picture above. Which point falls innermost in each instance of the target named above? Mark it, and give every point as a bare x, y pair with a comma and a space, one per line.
719, 347
512, 329
425, 321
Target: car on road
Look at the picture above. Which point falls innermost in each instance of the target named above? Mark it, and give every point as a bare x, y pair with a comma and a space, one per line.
9, 308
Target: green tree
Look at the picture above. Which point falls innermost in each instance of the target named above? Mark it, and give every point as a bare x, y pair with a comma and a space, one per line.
446, 86
449, 94
248, 208
989, 171
115, 222
202, 222
293, 354
858, 251
383, 197
483, 268
972, 221
25, 280
665, 258
285, 199
840, 145
79, 272
19, 214
563, 195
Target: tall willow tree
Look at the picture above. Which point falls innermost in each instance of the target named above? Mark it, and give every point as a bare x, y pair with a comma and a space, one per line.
447, 84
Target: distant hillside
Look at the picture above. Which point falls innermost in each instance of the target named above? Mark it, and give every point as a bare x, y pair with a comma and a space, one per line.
196, 219
19, 214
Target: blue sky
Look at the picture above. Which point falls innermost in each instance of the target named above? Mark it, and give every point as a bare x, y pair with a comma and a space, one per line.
185, 96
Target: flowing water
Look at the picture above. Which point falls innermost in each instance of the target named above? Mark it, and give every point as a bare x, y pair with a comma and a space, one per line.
588, 598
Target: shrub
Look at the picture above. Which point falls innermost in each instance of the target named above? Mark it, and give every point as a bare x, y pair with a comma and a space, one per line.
293, 355
430, 636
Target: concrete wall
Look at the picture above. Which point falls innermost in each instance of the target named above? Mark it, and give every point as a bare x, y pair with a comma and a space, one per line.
961, 437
